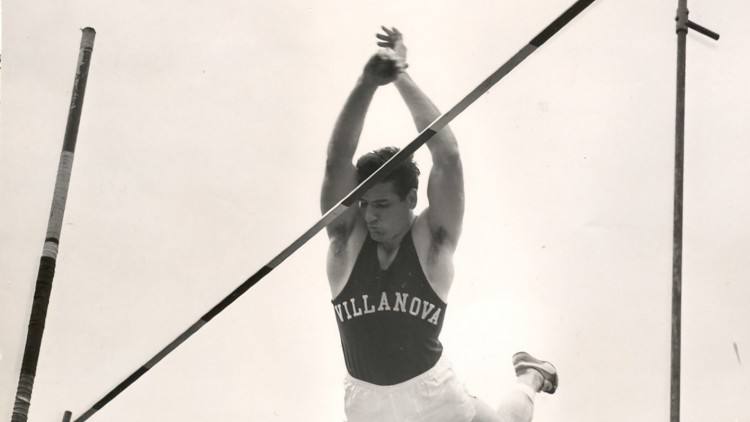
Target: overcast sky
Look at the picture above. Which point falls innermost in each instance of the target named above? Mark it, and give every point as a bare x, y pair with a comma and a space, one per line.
200, 156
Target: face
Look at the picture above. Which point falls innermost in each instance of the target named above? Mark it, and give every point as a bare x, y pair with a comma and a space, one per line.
387, 215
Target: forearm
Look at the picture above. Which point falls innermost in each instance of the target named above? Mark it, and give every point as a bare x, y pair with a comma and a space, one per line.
422, 110
348, 128
443, 146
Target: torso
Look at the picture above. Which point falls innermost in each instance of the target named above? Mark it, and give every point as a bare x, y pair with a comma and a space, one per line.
388, 313
436, 261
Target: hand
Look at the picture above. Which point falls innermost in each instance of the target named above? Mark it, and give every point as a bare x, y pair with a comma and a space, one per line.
394, 40
382, 68
385, 65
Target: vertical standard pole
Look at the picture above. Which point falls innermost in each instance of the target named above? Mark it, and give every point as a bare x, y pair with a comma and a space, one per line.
682, 28
49, 253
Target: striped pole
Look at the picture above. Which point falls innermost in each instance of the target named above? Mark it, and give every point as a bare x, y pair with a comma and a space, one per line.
683, 23
52, 241
351, 198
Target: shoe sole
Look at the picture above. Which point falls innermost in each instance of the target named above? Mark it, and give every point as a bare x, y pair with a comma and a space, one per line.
523, 361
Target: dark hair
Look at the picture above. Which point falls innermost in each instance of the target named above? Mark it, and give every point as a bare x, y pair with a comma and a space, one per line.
404, 176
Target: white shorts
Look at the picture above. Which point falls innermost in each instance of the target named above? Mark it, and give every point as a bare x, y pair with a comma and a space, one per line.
434, 396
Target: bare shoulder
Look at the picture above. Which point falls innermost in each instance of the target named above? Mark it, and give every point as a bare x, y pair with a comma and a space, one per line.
342, 254
435, 256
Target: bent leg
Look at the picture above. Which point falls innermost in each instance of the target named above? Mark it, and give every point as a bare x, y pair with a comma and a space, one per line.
533, 376
484, 413
516, 406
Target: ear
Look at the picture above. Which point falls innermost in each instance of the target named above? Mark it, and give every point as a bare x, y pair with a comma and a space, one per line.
411, 198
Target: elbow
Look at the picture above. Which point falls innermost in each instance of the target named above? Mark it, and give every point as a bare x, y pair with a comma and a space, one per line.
336, 162
452, 153
444, 149
448, 158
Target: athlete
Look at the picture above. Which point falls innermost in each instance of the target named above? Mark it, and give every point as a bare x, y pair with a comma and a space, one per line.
390, 270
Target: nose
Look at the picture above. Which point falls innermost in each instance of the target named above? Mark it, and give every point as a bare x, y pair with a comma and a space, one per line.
370, 215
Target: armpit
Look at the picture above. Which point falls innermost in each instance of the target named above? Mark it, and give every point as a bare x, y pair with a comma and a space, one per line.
440, 236
338, 236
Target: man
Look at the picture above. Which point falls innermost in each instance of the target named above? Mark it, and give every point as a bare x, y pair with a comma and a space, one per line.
390, 271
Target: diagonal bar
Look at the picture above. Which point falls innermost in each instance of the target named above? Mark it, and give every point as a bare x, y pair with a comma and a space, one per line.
352, 197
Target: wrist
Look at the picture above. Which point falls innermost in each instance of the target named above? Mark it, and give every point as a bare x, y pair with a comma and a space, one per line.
403, 79
366, 82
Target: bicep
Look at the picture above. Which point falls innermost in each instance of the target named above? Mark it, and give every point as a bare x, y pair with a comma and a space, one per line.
445, 194
338, 181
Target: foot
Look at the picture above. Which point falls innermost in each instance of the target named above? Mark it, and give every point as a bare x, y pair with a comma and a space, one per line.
523, 362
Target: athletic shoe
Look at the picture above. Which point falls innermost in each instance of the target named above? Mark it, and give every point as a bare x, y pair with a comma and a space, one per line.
523, 361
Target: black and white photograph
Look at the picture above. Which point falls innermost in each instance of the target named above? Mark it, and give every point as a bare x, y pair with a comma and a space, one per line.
375, 211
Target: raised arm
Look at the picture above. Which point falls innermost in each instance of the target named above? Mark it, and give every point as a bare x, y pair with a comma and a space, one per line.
340, 174
445, 190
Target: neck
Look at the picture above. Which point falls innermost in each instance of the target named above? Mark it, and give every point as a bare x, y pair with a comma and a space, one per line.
393, 243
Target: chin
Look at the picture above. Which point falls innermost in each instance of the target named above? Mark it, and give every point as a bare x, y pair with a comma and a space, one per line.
377, 236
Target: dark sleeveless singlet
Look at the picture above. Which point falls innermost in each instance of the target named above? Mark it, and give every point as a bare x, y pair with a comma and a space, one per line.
389, 320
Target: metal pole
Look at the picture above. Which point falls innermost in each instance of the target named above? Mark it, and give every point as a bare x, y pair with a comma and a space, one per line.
51, 243
674, 411
683, 23
351, 198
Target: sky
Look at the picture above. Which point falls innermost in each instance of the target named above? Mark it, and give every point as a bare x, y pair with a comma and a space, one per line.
200, 156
